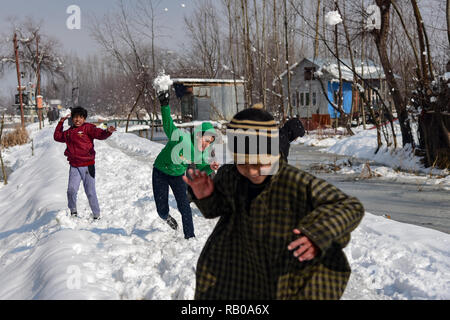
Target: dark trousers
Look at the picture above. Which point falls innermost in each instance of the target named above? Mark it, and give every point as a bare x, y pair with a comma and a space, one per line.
161, 183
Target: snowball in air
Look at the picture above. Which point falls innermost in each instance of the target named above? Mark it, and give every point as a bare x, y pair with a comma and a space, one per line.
332, 18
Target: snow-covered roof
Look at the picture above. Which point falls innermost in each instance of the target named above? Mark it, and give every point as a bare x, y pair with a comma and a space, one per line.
199, 80
367, 69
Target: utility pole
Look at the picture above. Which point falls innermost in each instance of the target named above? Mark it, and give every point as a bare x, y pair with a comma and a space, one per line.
38, 83
16, 53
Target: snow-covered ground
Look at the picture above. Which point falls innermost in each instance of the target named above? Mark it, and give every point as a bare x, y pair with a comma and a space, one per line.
131, 254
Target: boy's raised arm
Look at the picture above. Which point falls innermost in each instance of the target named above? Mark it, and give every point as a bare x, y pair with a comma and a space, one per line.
100, 134
167, 121
59, 135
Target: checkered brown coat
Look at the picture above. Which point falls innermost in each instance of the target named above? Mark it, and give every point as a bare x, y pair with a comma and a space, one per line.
246, 256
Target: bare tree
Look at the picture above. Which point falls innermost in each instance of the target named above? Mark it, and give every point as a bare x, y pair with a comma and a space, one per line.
380, 37
204, 31
118, 37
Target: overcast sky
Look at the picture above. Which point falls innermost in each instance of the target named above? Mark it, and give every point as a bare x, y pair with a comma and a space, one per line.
53, 15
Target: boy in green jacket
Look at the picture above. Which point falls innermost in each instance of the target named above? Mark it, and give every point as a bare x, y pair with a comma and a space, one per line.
281, 231
181, 151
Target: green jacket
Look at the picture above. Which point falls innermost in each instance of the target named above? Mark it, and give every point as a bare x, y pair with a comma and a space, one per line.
246, 256
179, 152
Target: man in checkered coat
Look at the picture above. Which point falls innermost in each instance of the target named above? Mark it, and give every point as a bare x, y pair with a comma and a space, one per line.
281, 231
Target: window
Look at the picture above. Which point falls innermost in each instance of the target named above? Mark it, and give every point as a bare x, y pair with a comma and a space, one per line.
314, 99
307, 98
309, 73
294, 101
302, 99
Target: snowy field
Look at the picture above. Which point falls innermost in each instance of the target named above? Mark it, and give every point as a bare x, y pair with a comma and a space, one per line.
131, 254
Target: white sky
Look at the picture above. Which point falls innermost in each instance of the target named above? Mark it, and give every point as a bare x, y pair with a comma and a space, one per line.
53, 15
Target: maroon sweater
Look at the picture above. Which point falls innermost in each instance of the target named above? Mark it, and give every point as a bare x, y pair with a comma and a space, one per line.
80, 142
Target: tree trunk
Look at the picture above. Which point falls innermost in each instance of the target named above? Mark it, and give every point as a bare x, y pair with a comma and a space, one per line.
380, 37
288, 73
277, 62
448, 22
134, 106
16, 52
316, 37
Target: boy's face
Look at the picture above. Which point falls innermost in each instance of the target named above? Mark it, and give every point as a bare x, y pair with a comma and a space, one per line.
253, 172
204, 142
78, 120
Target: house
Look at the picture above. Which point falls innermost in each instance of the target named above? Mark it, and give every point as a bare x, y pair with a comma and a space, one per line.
315, 80
209, 99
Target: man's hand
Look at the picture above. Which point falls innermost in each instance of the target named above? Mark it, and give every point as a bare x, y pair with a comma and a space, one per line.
201, 184
306, 250
111, 129
65, 118
164, 98
214, 165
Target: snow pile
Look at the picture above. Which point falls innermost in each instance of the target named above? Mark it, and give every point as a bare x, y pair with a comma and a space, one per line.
162, 82
132, 254
393, 260
333, 18
363, 145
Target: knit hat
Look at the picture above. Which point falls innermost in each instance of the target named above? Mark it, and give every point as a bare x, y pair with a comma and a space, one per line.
253, 136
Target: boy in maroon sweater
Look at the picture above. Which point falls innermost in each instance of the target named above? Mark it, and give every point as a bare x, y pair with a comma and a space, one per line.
80, 153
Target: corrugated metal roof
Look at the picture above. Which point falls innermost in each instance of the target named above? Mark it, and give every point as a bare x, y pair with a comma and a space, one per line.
199, 80
366, 68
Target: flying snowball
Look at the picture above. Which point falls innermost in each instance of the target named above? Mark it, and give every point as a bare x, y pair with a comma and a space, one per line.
332, 18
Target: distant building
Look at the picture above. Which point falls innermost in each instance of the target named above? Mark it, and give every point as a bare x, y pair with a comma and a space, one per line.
30, 103
307, 94
209, 99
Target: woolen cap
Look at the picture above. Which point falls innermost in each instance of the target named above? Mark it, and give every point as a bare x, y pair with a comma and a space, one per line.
253, 136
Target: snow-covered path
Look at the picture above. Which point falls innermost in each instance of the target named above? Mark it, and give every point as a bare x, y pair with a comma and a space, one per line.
131, 254
128, 254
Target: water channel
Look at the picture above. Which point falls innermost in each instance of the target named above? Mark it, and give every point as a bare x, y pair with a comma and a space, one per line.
404, 201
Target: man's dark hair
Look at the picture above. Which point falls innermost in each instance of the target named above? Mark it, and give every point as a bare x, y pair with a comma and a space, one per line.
79, 111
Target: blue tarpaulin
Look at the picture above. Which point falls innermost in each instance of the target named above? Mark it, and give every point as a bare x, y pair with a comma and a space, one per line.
347, 94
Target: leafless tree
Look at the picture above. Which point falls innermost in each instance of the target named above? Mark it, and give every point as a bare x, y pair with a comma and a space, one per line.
206, 40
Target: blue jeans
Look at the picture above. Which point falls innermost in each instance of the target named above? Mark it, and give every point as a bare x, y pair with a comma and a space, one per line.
161, 183
87, 175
